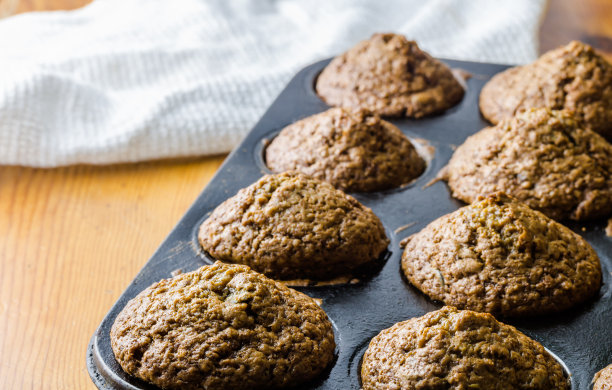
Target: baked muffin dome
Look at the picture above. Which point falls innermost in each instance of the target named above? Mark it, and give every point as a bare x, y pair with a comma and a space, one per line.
571, 77
222, 326
390, 76
291, 226
354, 150
457, 350
603, 379
499, 256
544, 158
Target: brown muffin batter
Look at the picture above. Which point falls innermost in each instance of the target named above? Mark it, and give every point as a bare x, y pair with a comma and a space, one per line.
499, 256
458, 350
544, 158
222, 327
291, 226
603, 379
389, 75
571, 77
354, 150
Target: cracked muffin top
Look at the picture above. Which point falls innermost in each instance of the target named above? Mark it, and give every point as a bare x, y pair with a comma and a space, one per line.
290, 226
603, 379
572, 77
499, 256
390, 76
222, 327
458, 350
354, 150
544, 158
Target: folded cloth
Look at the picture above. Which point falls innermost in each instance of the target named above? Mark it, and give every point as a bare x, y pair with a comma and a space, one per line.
131, 80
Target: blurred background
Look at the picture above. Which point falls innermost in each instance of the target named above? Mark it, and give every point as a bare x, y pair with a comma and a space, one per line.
586, 20
72, 238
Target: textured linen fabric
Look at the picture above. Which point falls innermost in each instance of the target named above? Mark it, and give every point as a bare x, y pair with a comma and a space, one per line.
131, 80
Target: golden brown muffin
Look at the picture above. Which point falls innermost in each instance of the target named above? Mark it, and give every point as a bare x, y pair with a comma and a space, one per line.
354, 150
291, 226
222, 327
603, 379
544, 158
571, 77
390, 76
458, 350
499, 256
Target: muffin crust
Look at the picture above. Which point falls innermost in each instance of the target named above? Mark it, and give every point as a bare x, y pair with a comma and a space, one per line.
222, 327
391, 76
572, 77
458, 350
499, 256
291, 226
544, 158
354, 150
603, 379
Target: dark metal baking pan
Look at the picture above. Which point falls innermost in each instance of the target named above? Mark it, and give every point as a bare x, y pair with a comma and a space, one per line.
581, 338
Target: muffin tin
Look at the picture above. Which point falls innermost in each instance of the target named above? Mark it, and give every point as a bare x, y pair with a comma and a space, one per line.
580, 338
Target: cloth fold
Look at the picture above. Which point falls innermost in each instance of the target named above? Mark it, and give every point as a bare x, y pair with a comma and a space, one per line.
131, 80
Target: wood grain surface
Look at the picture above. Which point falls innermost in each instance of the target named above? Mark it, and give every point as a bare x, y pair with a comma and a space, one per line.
71, 239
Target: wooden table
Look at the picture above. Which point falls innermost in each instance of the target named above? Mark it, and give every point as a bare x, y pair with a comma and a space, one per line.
71, 239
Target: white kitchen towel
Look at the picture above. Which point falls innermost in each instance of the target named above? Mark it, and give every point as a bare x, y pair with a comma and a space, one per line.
131, 80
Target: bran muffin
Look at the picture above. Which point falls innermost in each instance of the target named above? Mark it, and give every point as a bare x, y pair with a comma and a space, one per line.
458, 350
499, 256
290, 226
354, 150
222, 327
571, 77
603, 379
544, 158
390, 76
